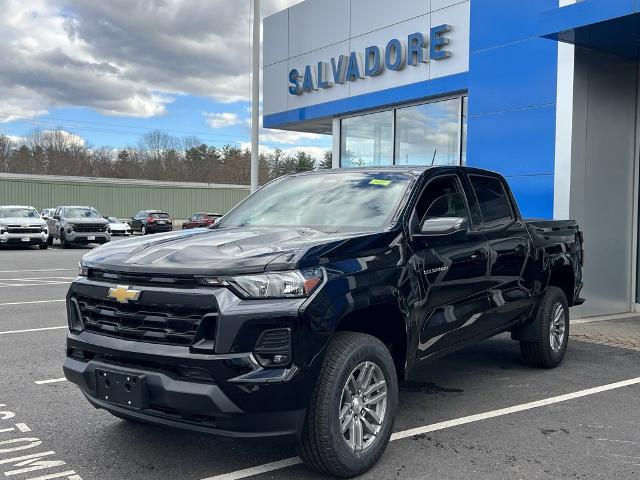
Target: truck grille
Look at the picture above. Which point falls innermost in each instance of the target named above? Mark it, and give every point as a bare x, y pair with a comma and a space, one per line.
166, 324
20, 229
187, 281
90, 227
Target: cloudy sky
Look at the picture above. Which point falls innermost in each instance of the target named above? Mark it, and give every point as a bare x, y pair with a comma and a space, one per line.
112, 70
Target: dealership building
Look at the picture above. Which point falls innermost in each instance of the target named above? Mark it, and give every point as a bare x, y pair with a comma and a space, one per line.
543, 91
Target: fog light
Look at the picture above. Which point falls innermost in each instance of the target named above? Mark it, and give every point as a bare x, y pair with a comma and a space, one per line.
280, 359
273, 348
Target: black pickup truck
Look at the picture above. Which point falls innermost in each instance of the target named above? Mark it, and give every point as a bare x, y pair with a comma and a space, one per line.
302, 309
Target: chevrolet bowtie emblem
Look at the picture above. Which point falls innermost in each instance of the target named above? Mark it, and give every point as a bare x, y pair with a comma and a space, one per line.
122, 294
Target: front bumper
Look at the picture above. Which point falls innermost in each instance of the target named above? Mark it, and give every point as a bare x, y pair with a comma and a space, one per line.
220, 388
87, 237
175, 402
23, 238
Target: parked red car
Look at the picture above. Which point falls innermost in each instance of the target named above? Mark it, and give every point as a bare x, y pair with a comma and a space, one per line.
201, 219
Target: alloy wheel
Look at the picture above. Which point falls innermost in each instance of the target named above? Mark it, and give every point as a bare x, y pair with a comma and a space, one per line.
363, 405
558, 327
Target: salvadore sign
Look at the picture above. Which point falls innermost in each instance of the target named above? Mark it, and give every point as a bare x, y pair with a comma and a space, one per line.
395, 56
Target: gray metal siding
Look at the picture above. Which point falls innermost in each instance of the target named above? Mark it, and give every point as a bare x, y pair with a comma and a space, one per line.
121, 199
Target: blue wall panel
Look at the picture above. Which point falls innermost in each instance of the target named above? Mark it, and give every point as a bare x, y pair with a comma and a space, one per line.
534, 194
512, 96
515, 142
514, 76
498, 22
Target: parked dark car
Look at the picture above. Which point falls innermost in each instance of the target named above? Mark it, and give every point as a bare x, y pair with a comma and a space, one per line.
201, 219
308, 303
151, 221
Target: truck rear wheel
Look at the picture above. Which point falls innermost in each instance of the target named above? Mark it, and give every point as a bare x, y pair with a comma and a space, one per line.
353, 406
552, 331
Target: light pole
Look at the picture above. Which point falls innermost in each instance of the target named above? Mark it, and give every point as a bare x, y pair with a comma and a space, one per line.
255, 95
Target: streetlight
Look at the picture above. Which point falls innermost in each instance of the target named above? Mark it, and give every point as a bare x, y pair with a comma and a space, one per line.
255, 95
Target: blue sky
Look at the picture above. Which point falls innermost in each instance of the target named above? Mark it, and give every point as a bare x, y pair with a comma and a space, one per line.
111, 71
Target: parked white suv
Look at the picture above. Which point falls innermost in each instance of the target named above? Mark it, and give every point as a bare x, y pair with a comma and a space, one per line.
22, 225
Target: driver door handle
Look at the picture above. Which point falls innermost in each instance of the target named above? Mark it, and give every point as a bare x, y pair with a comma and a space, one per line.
478, 255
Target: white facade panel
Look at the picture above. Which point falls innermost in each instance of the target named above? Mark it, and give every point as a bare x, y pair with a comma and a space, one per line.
276, 38
318, 96
370, 15
439, 4
389, 79
274, 89
319, 30
458, 17
314, 24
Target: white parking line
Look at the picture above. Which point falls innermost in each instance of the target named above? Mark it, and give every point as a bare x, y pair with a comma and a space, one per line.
288, 462
8, 332
51, 380
48, 284
31, 302
43, 270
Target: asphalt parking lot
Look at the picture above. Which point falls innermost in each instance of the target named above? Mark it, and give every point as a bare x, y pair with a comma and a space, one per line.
478, 414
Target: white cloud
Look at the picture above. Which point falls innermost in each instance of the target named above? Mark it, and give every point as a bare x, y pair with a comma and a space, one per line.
285, 137
221, 120
123, 57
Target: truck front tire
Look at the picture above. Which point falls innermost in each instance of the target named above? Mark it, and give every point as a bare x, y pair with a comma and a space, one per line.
353, 407
551, 329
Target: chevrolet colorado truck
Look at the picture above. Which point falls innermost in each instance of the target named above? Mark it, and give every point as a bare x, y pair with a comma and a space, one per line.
302, 309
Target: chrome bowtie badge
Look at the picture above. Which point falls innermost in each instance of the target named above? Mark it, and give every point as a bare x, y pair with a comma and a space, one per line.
123, 294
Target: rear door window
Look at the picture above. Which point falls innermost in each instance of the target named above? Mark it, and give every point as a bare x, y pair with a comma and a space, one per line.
493, 201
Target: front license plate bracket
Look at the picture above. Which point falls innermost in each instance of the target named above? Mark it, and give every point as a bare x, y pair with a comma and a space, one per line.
121, 388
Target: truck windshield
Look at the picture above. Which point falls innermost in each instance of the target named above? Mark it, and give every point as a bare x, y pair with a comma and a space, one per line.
335, 201
81, 213
18, 212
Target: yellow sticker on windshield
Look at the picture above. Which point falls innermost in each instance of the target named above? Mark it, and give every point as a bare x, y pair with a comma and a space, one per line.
377, 181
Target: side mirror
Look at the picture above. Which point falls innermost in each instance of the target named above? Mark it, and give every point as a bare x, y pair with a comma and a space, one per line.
444, 227
44, 217
56, 217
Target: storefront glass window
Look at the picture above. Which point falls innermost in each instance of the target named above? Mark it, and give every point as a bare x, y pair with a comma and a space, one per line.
429, 134
367, 140
423, 134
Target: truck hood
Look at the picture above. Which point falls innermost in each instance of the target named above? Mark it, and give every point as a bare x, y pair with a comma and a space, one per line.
21, 221
233, 250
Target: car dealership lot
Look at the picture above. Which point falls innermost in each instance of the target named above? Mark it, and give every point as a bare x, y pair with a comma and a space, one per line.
583, 434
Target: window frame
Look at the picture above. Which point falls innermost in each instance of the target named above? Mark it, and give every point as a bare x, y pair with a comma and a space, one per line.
414, 222
507, 194
462, 131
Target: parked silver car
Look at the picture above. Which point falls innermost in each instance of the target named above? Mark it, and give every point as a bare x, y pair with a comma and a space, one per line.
22, 225
78, 225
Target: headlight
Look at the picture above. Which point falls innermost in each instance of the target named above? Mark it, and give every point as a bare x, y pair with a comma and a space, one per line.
291, 284
83, 271
44, 228
70, 226
3, 229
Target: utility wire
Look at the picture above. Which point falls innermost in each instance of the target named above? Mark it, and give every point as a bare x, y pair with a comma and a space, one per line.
90, 128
